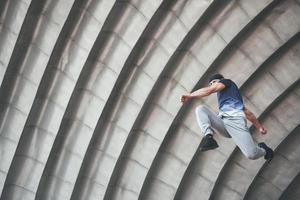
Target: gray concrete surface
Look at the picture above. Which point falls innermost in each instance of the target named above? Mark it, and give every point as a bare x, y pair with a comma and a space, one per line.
89, 98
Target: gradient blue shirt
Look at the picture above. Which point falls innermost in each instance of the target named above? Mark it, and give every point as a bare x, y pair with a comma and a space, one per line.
229, 99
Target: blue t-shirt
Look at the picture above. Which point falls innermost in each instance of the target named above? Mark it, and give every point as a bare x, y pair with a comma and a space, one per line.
229, 99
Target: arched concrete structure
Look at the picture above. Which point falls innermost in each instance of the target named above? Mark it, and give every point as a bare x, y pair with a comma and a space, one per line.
89, 98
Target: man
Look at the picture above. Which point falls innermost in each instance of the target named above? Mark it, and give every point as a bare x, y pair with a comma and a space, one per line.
231, 120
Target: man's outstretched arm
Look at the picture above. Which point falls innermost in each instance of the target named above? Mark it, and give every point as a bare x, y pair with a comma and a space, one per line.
251, 117
203, 92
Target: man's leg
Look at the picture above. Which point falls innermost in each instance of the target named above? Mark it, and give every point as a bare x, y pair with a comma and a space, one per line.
208, 121
237, 128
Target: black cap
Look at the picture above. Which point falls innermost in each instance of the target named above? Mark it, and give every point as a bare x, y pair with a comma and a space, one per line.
216, 76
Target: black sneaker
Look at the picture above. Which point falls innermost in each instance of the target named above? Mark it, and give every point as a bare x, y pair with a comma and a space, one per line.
269, 152
208, 143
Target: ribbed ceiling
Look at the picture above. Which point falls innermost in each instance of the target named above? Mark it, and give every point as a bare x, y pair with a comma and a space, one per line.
89, 98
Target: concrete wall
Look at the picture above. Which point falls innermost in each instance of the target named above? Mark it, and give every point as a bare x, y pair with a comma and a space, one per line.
89, 98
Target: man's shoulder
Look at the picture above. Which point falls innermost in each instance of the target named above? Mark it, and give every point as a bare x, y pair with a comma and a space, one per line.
226, 79
226, 82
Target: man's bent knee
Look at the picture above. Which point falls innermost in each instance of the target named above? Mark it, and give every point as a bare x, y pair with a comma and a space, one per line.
251, 155
201, 108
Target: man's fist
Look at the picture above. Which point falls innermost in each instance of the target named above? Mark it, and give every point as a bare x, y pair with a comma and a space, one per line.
262, 130
184, 98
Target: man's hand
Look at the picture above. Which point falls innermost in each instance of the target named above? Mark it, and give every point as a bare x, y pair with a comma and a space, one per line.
185, 98
262, 130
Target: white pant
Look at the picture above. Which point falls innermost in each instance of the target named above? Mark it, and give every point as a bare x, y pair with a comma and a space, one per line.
229, 126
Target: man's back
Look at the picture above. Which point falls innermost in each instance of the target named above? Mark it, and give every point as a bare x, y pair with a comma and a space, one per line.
229, 99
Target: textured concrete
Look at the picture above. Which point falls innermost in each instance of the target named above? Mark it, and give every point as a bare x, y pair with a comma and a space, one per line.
269, 178
89, 98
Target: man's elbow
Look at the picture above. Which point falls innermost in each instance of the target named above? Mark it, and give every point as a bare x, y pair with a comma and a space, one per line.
250, 116
247, 112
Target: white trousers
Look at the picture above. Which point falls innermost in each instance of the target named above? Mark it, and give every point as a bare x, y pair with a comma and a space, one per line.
229, 126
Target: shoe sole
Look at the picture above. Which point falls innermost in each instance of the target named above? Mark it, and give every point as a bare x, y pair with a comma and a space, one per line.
269, 160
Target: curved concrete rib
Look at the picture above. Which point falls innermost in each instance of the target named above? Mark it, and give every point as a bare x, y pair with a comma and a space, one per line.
10, 28
24, 72
22, 45
273, 178
292, 192
91, 91
3, 10
236, 159
46, 112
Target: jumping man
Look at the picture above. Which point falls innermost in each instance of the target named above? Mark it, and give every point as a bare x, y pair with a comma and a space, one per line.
231, 120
